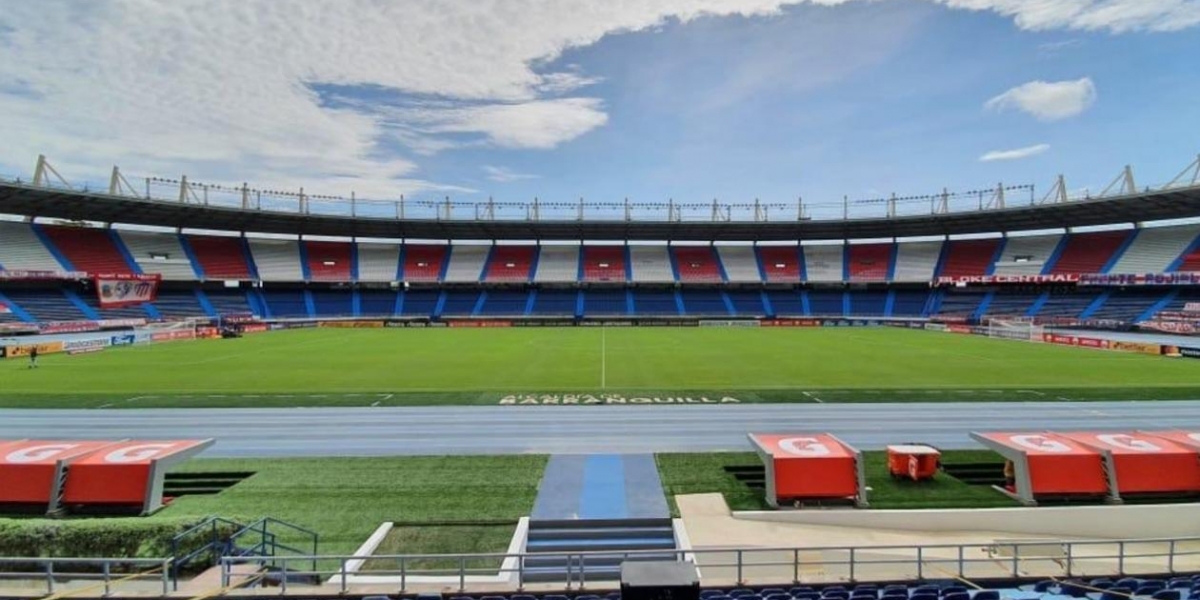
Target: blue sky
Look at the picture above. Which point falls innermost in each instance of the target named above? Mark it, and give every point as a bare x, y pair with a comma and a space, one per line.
691, 100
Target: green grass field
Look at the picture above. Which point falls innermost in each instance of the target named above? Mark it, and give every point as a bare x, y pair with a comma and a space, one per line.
482, 366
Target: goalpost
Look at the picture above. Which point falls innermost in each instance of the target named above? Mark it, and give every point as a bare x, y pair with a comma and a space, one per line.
1015, 328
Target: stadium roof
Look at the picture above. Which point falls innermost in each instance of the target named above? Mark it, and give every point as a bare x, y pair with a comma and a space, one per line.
48, 202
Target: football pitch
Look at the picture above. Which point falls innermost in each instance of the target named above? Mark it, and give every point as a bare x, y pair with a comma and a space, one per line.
582, 365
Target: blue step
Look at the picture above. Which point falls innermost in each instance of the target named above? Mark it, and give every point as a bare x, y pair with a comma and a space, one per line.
597, 533
600, 545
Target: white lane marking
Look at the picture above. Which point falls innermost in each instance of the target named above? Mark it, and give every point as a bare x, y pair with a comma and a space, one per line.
814, 397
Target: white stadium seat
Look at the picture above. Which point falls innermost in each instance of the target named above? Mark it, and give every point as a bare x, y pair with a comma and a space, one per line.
21, 250
916, 261
651, 264
823, 263
740, 263
1155, 248
159, 253
277, 260
466, 262
557, 264
1026, 255
378, 262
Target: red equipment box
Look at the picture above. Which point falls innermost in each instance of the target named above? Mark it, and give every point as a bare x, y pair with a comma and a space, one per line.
810, 466
913, 461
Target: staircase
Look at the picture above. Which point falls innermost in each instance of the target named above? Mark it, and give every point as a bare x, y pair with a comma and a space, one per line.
559, 551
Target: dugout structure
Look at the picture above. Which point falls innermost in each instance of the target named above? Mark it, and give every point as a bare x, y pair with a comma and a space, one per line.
92, 476
1047, 465
810, 467
1144, 463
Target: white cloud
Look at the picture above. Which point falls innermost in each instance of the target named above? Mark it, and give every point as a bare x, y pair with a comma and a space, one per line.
1048, 101
224, 89
1015, 154
505, 174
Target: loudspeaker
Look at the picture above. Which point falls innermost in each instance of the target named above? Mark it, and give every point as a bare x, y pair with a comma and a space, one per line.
653, 580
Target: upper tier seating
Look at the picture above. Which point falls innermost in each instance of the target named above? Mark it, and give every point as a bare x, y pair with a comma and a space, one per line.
969, 258
823, 263
510, 263
329, 261
21, 250
604, 263
466, 263
1089, 252
781, 263
378, 262
159, 253
697, 264
276, 260
740, 263
916, 261
558, 264
220, 257
1155, 248
869, 262
88, 249
424, 263
650, 264
1026, 255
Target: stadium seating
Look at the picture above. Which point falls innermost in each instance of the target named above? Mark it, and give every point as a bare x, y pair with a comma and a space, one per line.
739, 263
329, 261
1189, 261
868, 303
510, 264
178, 304
696, 264
466, 263
909, 303
159, 253
1026, 255
504, 303
1065, 304
424, 263
704, 303
961, 304
228, 301
220, 257
377, 302
89, 249
286, 303
419, 303
916, 261
20, 249
826, 303
604, 263
1155, 249
1012, 303
747, 303
555, 303
786, 303
332, 303
1126, 305
650, 264
969, 258
1088, 252
378, 262
46, 305
557, 264
460, 303
869, 262
277, 260
655, 303
605, 302
823, 263
781, 263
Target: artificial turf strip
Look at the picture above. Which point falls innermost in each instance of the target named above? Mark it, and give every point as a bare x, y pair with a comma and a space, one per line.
443, 539
346, 499
389, 367
685, 473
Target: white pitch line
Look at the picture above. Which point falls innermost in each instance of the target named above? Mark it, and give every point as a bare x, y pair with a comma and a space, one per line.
815, 399
388, 396
375, 403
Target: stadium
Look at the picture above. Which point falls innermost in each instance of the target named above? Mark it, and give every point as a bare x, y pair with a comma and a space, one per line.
236, 390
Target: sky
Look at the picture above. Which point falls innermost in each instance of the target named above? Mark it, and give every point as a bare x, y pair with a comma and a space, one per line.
687, 100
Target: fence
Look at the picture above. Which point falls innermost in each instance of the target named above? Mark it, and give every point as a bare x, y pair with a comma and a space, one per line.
776, 566
67, 576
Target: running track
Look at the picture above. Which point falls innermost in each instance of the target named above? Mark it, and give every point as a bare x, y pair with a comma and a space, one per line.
366, 431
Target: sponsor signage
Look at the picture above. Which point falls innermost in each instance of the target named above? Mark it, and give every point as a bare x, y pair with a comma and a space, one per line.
42, 348
1140, 279
790, 323
170, 336
1063, 278
126, 289
123, 340
32, 275
69, 327
350, 324
75, 346
473, 323
1138, 347
586, 399
252, 327
544, 323
1075, 340
207, 333
1185, 351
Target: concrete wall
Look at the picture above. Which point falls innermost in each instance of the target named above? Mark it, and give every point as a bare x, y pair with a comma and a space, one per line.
1084, 522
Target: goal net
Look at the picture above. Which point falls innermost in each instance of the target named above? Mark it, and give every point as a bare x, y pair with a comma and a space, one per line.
1015, 328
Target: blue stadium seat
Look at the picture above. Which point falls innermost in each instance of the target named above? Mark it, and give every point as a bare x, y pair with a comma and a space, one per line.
1073, 589
953, 589
613, 596
523, 597
895, 594
956, 596
864, 595
801, 590
740, 593
1116, 593
779, 597
706, 594
866, 587
1102, 583
896, 587
986, 595
1180, 583
1163, 594
923, 596
768, 592
587, 597
1128, 582
462, 598
429, 597
1044, 586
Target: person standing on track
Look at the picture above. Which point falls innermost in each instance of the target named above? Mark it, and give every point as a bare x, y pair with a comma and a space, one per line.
33, 352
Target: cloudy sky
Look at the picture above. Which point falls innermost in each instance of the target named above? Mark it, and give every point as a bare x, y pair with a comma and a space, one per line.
605, 99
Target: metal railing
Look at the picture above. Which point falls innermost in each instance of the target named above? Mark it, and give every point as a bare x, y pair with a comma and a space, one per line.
244, 197
779, 565
84, 576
